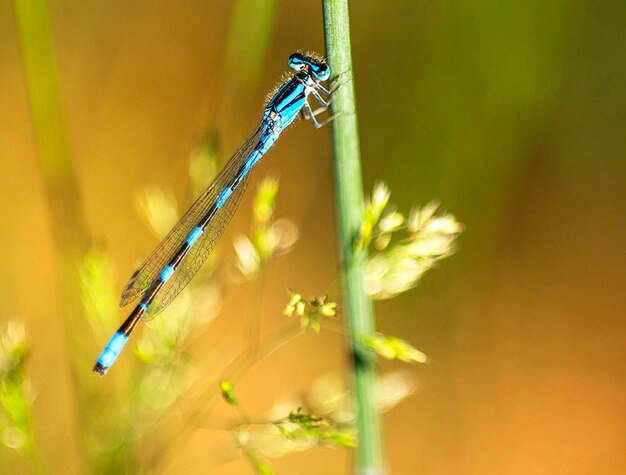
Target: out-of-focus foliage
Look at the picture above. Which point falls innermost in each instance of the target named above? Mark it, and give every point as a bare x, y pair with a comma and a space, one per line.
328, 419
251, 452
98, 290
203, 165
228, 392
158, 208
393, 388
403, 249
297, 431
16, 394
269, 238
329, 396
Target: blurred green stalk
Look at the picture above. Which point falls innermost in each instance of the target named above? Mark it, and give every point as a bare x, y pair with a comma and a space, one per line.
251, 30
15, 400
349, 195
59, 179
18, 406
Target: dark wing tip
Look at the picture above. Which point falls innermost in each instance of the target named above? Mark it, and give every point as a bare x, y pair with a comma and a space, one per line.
129, 294
131, 290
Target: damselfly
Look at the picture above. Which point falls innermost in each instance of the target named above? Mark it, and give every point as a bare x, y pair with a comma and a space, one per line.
183, 251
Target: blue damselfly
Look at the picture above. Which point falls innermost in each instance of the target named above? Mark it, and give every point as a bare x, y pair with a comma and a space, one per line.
183, 251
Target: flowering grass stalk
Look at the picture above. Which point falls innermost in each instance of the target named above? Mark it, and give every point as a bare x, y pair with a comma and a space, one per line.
349, 195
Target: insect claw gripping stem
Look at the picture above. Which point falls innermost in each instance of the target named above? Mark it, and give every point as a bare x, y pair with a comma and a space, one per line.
309, 114
338, 81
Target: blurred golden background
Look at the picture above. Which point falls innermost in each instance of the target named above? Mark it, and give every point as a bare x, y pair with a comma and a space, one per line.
512, 114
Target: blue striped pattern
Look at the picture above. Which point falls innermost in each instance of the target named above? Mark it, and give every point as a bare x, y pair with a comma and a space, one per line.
250, 162
167, 273
226, 192
194, 236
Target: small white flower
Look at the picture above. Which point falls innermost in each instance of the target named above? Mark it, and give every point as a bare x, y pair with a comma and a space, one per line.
247, 258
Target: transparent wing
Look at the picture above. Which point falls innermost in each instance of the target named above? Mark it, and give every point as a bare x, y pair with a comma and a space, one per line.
198, 254
152, 267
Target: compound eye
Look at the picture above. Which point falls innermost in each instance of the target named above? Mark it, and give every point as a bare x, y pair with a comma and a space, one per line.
321, 72
296, 62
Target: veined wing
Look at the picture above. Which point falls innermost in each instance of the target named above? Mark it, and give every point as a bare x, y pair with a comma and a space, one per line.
152, 267
198, 254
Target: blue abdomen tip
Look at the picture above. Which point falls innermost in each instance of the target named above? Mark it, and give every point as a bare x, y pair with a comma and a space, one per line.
110, 353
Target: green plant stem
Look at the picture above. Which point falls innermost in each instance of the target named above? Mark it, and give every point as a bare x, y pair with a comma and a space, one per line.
59, 180
349, 196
